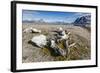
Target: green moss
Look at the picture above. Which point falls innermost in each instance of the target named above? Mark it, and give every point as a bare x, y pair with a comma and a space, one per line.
61, 44
46, 51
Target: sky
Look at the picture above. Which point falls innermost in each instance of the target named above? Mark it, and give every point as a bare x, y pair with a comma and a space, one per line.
51, 16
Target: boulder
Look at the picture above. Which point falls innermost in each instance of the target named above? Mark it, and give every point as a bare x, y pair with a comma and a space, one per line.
39, 40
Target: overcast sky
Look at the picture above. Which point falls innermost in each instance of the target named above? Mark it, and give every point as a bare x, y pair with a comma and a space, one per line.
51, 16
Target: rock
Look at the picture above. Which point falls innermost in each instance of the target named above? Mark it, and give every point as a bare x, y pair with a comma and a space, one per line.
32, 30
53, 44
39, 40
28, 30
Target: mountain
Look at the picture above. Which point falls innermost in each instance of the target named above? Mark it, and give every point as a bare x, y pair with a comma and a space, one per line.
83, 20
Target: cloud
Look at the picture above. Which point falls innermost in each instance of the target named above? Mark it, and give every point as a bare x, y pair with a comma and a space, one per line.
29, 14
81, 14
75, 15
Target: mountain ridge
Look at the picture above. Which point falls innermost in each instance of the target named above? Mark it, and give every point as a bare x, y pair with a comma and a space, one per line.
83, 20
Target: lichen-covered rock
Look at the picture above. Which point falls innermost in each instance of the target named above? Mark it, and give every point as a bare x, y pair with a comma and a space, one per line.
39, 40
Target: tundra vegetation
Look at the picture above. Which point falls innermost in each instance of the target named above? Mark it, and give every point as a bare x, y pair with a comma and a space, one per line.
59, 42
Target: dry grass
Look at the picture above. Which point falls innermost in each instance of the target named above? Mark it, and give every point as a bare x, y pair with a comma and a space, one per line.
81, 51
